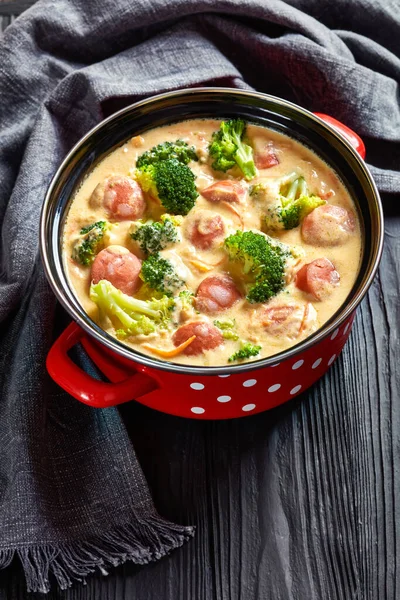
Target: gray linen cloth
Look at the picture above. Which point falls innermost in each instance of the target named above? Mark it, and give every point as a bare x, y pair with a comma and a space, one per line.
72, 494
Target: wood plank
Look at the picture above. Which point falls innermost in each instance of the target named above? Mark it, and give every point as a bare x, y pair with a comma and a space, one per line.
301, 502
16, 7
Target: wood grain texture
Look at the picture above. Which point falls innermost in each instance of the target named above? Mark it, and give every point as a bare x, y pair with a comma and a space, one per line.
10, 10
15, 7
301, 502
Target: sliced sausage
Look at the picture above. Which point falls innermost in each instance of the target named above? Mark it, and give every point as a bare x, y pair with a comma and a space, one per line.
224, 191
118, 266
328, 225
216, 293
207, 337
288, 320
206, 229
318, 278
266, 158
121, 196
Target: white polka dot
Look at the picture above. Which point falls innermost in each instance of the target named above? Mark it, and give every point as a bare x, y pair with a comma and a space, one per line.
224, 398
346, 329
296, 389
332, 358
274, 388
222, 376
298, 364
248, 407
277, 365
334, 334
197, 386
197, 410
249, 383
317, 363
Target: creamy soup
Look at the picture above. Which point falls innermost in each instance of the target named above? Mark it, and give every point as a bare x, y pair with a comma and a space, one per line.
213, 249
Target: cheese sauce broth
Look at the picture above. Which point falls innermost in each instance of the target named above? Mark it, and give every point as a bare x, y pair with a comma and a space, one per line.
283, 321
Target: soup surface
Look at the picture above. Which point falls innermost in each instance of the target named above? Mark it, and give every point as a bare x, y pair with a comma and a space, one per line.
189, 263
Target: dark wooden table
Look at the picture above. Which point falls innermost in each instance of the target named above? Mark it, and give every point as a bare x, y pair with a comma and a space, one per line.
301, 503
9, 11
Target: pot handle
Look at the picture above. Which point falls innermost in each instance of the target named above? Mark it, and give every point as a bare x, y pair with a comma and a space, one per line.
82, 386
346, 132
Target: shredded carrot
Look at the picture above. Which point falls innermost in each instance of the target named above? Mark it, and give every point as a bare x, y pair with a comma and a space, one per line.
201, 266
205, 267
304, 321
235, 212
170, 353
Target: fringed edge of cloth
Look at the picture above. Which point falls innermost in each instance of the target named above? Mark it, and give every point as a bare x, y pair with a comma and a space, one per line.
139, 542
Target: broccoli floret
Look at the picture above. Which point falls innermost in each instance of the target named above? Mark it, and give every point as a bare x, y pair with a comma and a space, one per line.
228, 149
176, 220
159, 274
167, 150
298, 203
100, 225
137, 317
293, 204
172, 183
268, 189
256, 189
246, 351
153, 236
260, 260
227, 327
186, 299
90, 242
184, 305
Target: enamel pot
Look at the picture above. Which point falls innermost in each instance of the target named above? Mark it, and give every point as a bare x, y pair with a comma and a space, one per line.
204, 392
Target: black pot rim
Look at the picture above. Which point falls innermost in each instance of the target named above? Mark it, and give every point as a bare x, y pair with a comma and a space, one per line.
112, 343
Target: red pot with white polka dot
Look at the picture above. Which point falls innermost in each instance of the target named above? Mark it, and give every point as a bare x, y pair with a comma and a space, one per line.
222, 392
198, 396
